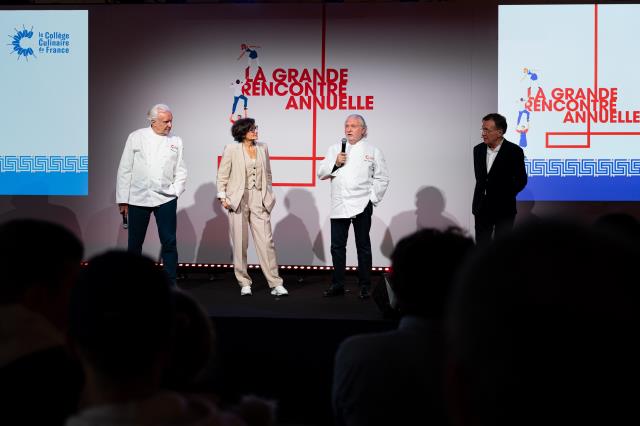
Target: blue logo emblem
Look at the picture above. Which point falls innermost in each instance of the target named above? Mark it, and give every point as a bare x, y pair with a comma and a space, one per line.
17, 47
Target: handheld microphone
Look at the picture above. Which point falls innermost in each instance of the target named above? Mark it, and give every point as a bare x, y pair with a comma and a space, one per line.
344, 149
125, 223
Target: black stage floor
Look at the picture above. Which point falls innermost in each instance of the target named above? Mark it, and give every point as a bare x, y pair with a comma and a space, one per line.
282, 348
219, 293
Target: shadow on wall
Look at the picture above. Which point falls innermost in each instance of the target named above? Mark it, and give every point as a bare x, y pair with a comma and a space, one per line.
215, 245
429, 213
38, 207
292, 234
189, 224
378, 227
104, 227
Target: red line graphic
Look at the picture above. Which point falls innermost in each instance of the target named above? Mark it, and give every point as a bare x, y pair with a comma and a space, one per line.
313, 158
315, 107
595, 44
595, 68
588, 133
314, 125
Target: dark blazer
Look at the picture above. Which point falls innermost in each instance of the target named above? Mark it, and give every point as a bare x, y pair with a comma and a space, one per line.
495, 192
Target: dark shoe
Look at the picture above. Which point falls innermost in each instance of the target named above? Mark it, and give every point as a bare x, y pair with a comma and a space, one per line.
334, 291
364, 293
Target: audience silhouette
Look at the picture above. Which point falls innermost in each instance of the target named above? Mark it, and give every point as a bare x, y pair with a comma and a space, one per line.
536, 328
397, 377
40, 381
193, 348
123, 325
541, 330
619, 224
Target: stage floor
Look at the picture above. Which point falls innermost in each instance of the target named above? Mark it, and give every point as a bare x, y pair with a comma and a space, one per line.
219, 293
282, 348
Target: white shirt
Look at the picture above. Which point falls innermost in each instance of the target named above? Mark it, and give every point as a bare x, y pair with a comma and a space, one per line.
491, 155
152, 170
237, 88
363, 178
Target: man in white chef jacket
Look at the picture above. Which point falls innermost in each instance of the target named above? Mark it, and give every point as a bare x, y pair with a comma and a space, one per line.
359, 179
151, 177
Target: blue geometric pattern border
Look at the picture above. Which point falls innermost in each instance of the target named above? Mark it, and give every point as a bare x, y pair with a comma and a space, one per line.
583, 167
43, 163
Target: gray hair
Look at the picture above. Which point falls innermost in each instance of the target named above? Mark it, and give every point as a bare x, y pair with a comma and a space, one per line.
152, 115
362, 122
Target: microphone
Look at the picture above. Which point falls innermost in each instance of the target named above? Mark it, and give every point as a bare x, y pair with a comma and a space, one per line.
125, 223
344, 149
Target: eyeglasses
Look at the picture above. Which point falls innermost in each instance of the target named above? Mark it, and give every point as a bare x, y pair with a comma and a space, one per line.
483, 130
253, 129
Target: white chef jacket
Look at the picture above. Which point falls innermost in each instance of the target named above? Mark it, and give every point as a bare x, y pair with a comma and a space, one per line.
152, 170
363, 178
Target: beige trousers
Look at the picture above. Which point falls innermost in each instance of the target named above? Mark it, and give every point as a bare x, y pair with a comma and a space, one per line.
251, 213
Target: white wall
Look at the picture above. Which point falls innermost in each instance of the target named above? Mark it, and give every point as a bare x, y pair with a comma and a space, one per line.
431, 68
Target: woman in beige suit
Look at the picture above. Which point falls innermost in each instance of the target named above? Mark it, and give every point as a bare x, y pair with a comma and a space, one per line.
244, 189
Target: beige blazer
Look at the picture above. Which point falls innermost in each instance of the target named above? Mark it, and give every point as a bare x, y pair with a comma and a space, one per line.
232, 177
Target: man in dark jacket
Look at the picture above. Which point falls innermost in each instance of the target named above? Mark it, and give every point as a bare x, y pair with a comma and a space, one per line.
500, 175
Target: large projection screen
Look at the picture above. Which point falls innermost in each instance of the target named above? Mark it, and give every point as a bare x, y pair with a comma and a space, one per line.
571, 93
422, 74
44, 106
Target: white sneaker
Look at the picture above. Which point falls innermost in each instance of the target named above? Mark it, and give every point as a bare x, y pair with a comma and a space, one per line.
245, 290
279, 291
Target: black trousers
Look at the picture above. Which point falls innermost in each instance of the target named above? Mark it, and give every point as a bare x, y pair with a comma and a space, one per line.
166, 220
490, 226
339, 234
